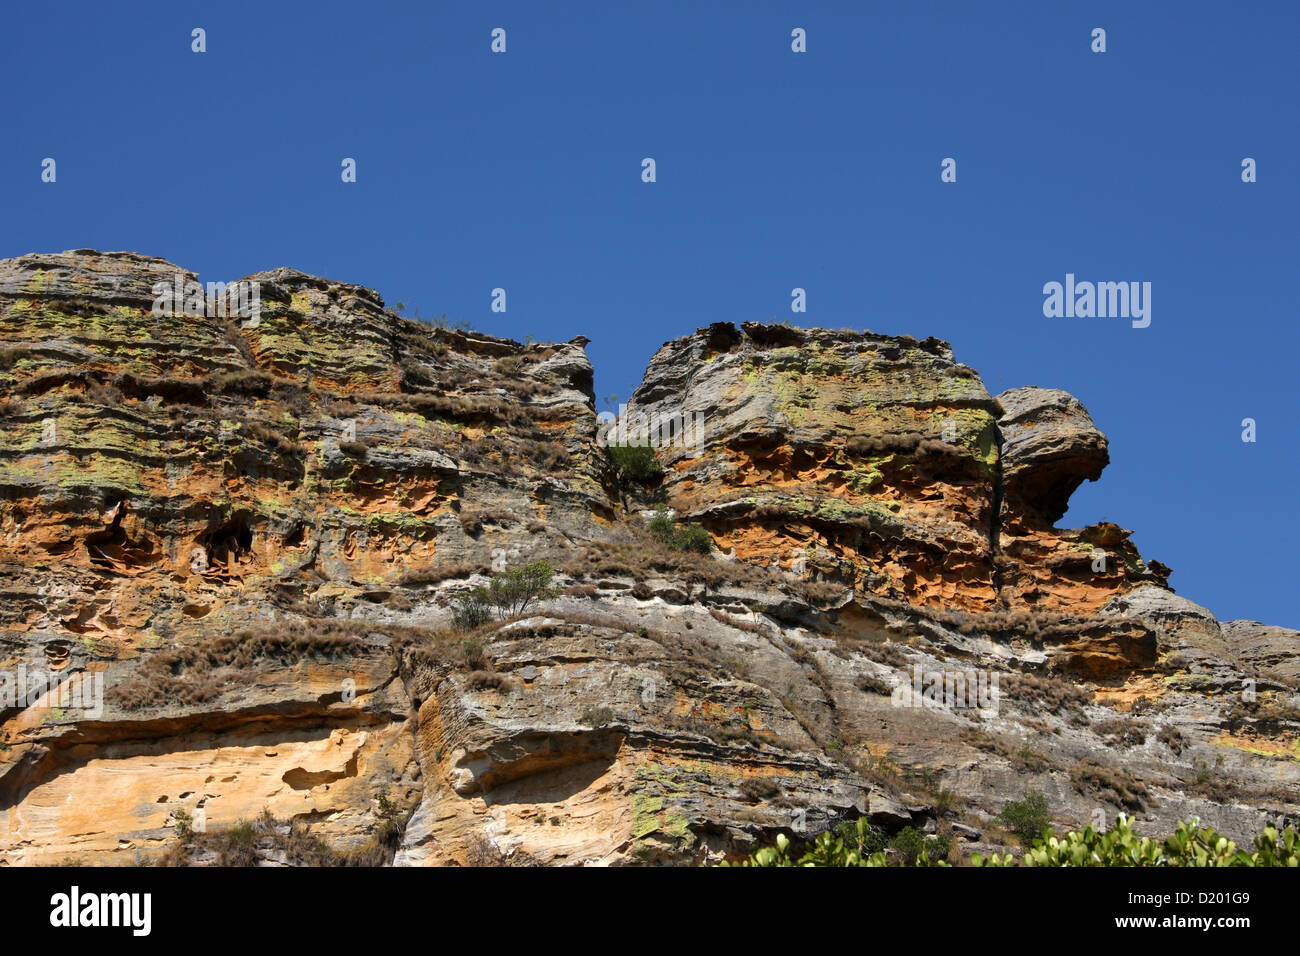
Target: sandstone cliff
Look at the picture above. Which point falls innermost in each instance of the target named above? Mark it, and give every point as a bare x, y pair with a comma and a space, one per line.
255, 534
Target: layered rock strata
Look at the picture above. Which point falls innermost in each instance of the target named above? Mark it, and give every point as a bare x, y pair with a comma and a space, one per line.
255, 534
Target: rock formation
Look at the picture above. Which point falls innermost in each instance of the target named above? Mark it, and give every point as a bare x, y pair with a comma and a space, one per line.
256, 533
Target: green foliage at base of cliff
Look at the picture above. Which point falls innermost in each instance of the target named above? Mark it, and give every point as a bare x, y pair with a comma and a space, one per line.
1191, 845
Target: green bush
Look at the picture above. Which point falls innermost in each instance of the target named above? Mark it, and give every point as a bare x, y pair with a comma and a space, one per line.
513, 591
1026, 818
390, 816
508, 594
1191, 845
472, 652
662, 526
693, 538
862, 837
853, 844
912, 845
677, 537
635, 463
472, 609
184, 824
238, 845
858, 844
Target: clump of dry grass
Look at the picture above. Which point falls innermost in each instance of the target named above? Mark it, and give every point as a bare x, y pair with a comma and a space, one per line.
1267, 714
198, 673
870, 684
882, 652
472, 520
737, 622
1093, 778
756, 789
247, 843
635, 552
1121, 732
1025, 759
547, 455
442, 572
1172, 738
1055, 695
489, 680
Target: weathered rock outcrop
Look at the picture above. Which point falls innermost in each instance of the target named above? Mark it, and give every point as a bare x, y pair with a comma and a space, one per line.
883, 462
255, 534
1049, 447
1273, 651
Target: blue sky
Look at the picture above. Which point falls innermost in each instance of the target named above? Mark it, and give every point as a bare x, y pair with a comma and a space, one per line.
775, 170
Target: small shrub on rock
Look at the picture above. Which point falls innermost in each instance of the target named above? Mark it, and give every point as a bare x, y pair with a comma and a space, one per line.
1026, 818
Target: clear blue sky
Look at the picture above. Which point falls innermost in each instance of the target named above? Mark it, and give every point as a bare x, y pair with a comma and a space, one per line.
775, 170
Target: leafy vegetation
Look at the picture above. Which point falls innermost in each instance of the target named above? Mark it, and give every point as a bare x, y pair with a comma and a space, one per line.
635, 464
679, 537
506, 595
912, 845
184, 824
856, 844
391, 819
1026, 818
1191, 845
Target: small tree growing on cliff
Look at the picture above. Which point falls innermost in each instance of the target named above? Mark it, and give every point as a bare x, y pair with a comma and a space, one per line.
472, 609
389, 815
184, 824
509, 593
635, 464
514, 590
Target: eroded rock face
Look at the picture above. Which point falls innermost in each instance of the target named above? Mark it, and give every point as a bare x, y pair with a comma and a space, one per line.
1049, 447
869, 457
254, 534
1274, 651
169, 478
1189, 636
883, 462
